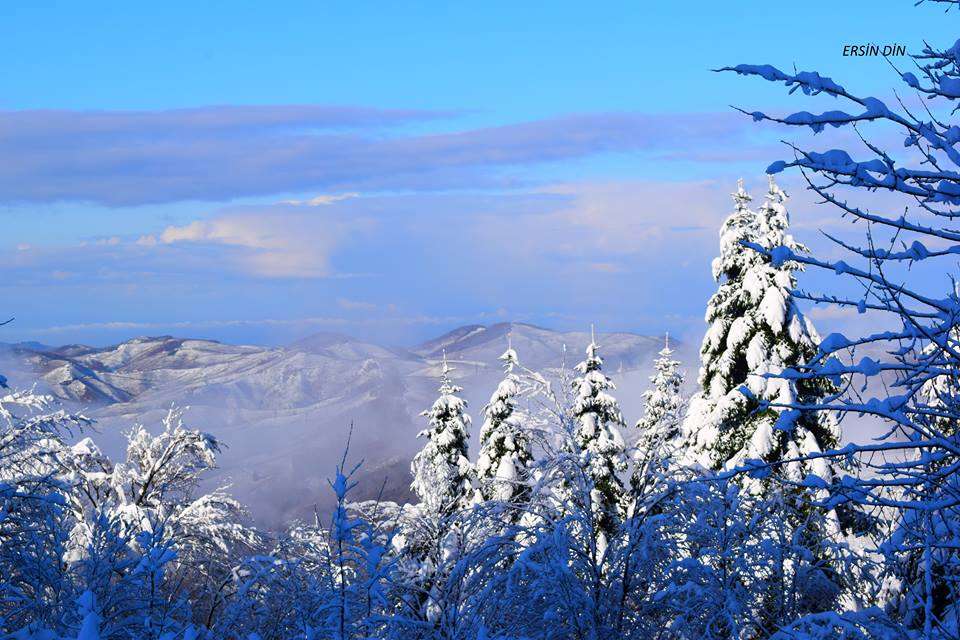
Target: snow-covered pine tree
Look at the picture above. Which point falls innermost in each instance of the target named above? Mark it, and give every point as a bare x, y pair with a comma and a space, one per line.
441, 470
502, 467
432, 535
598, 437
659, 428
756, 329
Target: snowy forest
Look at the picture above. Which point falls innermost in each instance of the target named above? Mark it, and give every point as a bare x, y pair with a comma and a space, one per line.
736, 513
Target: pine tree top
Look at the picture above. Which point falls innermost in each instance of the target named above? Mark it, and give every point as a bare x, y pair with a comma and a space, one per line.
509, 359
447, 387
740, 197
593, 361
666, 354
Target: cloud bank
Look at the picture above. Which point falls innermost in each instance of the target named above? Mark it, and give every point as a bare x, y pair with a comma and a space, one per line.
120, 158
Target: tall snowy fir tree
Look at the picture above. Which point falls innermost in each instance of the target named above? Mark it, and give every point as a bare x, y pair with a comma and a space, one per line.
441, 470
659, 428
756, 329
502, 467
756, 332
598, 438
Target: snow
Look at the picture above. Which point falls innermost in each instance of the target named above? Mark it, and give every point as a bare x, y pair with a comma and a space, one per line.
90, 626
774, 308
506, 470
86, 447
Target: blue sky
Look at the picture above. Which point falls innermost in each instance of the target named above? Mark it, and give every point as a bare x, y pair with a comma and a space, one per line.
259, 171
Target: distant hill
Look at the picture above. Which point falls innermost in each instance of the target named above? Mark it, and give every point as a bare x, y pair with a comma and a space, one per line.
538, 347
285, 413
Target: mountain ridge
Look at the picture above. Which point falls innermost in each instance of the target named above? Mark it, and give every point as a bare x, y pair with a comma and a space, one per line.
285, 412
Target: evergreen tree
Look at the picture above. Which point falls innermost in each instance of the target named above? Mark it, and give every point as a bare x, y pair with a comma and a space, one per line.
505, 452
756, 331
597, 436
441, 470
740, 414
659, 428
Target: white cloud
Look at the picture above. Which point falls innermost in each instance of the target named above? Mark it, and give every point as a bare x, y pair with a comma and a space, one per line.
271, 242
604, 221
322, 200
639, 217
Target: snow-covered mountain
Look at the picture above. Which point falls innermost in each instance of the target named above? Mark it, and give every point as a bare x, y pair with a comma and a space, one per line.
285, 413
538, 347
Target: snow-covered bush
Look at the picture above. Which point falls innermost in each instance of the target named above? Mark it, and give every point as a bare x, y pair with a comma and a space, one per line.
134, 543
320, 580
35, 588
149, 505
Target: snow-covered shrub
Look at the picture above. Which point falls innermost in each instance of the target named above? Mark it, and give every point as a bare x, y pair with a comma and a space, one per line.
320, 580
35, 586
